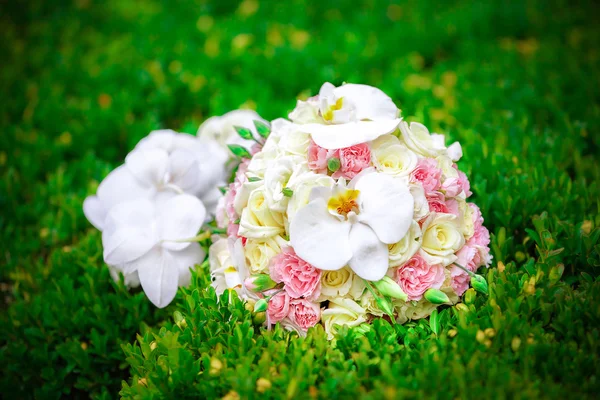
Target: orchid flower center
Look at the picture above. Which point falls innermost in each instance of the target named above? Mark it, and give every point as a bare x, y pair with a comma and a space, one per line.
344, 203
328, 114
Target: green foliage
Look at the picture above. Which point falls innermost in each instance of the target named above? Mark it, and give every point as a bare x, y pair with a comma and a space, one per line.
515, 82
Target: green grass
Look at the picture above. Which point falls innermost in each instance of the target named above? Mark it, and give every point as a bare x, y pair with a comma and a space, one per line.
515, 82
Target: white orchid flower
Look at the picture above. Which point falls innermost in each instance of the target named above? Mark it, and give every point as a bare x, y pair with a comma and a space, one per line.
351, 114
156, 241
162, 165
353, 224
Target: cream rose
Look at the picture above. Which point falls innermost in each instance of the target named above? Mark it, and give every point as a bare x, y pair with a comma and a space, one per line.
402, 251
410, 310
442, 237
259, 253
368, 302
341, 312
335, 284
258, 221
392, 157
291, 140
418, 139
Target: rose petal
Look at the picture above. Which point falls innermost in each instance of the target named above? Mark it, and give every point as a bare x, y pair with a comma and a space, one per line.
346, 135
369, 255
179, 218
319, 238
148, 166
159, 275
387, 206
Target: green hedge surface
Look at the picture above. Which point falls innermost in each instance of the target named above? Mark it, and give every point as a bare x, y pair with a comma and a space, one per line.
516, 82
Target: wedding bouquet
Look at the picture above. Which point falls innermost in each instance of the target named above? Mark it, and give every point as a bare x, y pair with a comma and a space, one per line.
345, 213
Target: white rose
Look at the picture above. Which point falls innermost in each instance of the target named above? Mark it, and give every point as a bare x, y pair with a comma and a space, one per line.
421, 204
259, 253
468, 228
290, 140
261, 161
336, 284
277, 178
258, 221
342, 312
302, 186
418, 139
392, 157
401, 252
442, 237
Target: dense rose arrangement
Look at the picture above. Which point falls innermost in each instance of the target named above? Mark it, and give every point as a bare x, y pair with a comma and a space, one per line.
345, 213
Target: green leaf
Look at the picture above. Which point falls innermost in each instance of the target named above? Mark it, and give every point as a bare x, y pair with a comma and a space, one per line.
287, 192
434, 322
244, 133
263, 129
239, 151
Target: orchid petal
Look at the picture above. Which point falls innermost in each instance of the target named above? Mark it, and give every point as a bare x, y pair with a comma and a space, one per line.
387, 206
179, 218
319, 238
159, 276
129, 232
94, 211
184, 170
186, 259
369, 102
159, 139
118, 186
349, 134
369, 255
148, 166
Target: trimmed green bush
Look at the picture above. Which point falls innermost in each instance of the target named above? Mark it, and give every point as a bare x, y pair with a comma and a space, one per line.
515, 82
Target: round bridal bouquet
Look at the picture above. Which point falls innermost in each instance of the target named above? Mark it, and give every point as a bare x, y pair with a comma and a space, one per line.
345, 213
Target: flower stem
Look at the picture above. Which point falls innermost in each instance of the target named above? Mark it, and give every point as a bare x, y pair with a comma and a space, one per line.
465, 269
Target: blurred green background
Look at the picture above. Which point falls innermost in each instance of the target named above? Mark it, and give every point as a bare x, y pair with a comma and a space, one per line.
517, 82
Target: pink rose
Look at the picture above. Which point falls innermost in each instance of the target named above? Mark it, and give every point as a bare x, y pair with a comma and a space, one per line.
460, 280
353, 159
304, 314
279, 307
437, 202
299, 277
452, 206
318, 156
428, 174
463, 181
416, 276
452, 187
469, 258
481, 236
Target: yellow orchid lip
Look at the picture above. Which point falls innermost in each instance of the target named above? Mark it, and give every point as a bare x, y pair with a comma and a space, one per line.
328, 115
344, 202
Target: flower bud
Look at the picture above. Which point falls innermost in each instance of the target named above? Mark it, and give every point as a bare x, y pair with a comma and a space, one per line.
388, 287
259, 283
385, 305
259, 318
480, 284
261, 305
436, 296
470, 296
333, 164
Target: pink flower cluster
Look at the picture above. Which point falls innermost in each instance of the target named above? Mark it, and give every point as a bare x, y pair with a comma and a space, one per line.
302, 283
229, 199
352, 159
416, 276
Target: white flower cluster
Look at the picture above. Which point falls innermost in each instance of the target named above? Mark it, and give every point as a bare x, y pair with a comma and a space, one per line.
151, 208
347, 213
